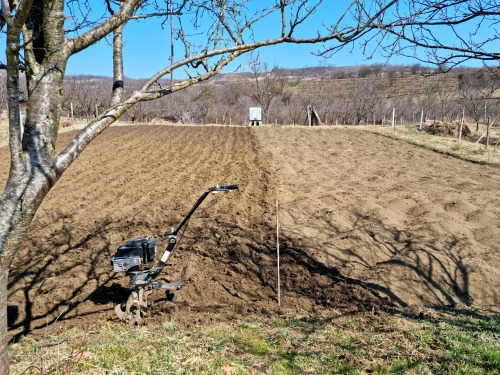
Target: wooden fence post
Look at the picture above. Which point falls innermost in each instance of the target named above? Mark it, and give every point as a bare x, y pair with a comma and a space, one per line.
461, 125
488, 133
393, 120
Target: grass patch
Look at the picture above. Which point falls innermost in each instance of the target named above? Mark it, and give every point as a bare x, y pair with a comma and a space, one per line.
344, 344
465, 149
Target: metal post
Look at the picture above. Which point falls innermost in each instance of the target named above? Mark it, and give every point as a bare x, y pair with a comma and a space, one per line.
171, 44
278, 251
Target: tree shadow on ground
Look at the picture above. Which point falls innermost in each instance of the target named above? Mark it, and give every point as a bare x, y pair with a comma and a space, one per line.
69, 277
389, 260
56, 271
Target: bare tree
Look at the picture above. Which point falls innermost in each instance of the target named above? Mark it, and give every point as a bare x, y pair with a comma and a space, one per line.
445, 97
343, 111
416, 28
477, 88
366, 100
181, 107
204, 101
86, 93
267, 84
427, 100
323, 103
228, 102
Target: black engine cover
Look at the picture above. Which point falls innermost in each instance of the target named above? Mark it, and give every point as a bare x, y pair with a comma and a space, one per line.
142, 247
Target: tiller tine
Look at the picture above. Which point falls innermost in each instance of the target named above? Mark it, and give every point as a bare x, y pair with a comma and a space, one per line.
134, 309
180, 284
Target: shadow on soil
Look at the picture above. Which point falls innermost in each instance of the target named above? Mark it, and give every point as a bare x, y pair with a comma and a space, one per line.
66, 275
49, 277
424, 263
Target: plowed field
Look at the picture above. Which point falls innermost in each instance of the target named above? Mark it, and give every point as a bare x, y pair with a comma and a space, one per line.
365, 223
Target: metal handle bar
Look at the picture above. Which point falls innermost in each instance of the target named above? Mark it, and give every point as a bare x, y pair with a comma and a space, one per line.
201, 199
172, 242
222, 188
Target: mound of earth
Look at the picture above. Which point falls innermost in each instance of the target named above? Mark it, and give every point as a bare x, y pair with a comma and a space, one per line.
446, 129
366, 223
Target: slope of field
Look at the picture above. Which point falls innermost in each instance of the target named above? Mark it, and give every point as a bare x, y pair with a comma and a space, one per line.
367, 223
418, 227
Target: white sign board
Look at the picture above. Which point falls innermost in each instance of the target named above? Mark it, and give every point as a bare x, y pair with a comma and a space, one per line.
255, 114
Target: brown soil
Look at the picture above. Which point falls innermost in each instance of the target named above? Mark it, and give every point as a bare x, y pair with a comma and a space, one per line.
366, 223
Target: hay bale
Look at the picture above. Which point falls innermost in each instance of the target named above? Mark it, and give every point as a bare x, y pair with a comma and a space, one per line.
446, 129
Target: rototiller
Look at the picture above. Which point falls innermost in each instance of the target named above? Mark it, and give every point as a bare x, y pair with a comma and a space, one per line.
136, 258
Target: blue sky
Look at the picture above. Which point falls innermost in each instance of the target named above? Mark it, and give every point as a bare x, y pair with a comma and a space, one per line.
147, 47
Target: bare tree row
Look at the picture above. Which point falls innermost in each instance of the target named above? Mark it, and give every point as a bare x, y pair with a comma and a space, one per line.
284, 97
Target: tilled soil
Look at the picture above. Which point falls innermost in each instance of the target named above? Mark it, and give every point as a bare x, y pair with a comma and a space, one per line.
418, 227
365, 223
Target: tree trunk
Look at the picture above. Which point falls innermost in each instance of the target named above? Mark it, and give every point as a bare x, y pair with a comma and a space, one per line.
32, 151
17, 209
4, 356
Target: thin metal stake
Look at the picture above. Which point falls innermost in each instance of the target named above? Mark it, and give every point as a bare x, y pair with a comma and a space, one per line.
278, 251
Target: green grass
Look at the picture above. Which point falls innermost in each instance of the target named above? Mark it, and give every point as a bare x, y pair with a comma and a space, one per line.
465, 149
333, 344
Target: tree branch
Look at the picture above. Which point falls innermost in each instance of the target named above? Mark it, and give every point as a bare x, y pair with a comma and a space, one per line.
83, 41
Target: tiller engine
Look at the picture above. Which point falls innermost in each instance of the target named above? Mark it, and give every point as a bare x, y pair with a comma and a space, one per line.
137, 259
